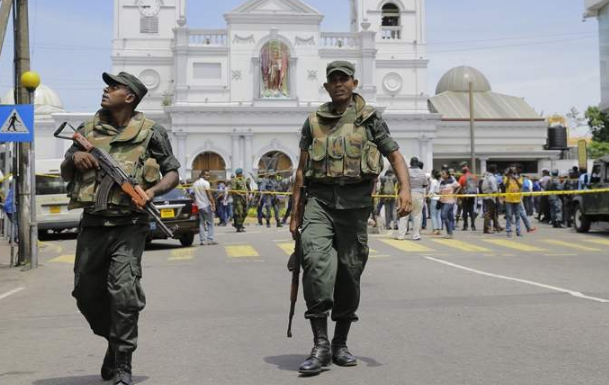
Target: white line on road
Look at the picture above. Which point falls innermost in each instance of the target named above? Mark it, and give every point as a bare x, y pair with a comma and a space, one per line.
555, 288
8, 294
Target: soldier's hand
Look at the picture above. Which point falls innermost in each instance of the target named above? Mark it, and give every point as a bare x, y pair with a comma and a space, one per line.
404, 203
83, 161
142, 205
294, 225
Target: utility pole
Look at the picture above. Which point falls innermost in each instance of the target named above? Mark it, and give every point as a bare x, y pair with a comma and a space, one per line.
5, 12
27, 241
471, 129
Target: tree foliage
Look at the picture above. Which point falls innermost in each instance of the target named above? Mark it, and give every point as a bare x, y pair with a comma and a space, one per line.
599, 124
598, 149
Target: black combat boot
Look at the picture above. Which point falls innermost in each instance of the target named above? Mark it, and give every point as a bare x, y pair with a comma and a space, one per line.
340, 353
321, 355
122, 375
107, 369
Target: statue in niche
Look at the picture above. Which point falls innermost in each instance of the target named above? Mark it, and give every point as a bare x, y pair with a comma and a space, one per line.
274, 66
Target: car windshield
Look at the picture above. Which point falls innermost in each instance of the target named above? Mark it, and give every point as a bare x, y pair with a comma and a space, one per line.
50, 185
171, 195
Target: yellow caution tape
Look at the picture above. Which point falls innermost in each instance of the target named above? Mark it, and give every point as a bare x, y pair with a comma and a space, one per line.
495, 195
522, 194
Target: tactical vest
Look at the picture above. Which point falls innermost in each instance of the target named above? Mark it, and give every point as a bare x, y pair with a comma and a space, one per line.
129, 149
342, 149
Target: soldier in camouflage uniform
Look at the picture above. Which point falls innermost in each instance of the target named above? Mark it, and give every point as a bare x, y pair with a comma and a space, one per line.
556, 213
341, 147
111, 241
239, 192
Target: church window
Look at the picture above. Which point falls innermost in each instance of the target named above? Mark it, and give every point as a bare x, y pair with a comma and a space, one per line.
149, 24
390, 23
275, 70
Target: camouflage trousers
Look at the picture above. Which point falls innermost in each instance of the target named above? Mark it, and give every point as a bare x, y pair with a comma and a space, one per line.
555, 209
240, 211
107, 274
335, 252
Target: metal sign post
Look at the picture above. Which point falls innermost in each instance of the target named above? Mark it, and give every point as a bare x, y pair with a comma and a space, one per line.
17, 125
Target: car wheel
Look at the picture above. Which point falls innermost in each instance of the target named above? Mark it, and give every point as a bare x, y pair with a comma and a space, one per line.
187, 239
581, 222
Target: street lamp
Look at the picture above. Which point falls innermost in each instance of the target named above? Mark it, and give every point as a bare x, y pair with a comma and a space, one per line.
30, 80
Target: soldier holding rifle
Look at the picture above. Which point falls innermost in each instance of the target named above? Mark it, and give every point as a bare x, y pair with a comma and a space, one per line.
341, 147
111, 239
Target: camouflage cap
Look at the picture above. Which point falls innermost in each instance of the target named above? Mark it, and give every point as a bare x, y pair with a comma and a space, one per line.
342, 66
125, 78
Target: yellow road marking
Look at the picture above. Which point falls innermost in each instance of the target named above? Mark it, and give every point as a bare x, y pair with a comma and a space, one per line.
513, 245
409, 246
244, 251
464, 246
379, 256
50, 246
602, 242
182, 254
67, 258
569, 245
287, 247
372, 251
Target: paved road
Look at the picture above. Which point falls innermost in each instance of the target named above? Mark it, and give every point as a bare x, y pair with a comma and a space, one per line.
475, 310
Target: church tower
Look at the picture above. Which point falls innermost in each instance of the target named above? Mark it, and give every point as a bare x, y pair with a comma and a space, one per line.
142, 44
401, 49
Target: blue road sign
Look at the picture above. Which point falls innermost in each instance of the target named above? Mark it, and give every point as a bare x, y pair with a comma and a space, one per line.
17, 123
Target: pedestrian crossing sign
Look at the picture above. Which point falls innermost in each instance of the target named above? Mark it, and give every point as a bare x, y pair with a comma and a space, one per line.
17, 123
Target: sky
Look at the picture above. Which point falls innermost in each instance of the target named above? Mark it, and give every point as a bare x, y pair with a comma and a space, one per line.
540, 50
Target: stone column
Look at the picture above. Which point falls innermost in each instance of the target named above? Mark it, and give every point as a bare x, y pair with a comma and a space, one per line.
368, 48
235, 156
426, 152
483, 161
181, 63
248, 161
181, 153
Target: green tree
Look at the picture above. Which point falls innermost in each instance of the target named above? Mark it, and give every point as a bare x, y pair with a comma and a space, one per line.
599, 124
598, 149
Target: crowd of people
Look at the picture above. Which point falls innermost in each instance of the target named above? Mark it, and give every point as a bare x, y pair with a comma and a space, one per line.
436, 206
230, 201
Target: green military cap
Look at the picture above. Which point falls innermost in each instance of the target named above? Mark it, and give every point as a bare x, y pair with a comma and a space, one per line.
342, 66
239, 171
124, 78
463, 164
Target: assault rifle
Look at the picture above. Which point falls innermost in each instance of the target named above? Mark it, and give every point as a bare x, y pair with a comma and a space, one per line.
112, 173
295, 261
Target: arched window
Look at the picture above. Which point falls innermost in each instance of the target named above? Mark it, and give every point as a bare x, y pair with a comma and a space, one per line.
275, 70
390, 23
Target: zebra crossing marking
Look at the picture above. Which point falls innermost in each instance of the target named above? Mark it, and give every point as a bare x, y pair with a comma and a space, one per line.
513, 245
182, 254
241, 251
569, 245
288, 248
408, 246
464, 246
602, 242
66, 258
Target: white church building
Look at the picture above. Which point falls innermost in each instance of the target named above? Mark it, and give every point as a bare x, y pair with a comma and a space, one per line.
237, 97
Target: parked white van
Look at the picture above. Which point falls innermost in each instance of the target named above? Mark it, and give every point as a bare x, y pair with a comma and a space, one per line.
52, 212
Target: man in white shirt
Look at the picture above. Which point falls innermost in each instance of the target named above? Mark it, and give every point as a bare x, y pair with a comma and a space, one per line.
207, 207
418, 183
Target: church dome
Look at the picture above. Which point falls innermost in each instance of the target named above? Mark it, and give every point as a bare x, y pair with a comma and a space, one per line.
44, 99
457, 80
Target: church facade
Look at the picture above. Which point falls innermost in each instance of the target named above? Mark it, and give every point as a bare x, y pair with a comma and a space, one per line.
237, 97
